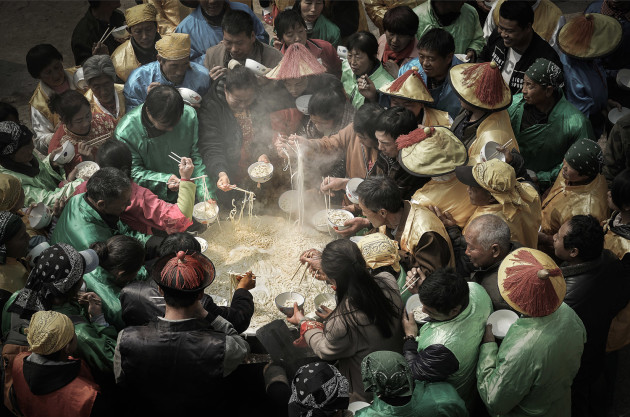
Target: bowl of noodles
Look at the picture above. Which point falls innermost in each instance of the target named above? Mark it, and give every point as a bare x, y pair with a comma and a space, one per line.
414, 307
206, 212
260, 172
285, 302
338, 217
86, 169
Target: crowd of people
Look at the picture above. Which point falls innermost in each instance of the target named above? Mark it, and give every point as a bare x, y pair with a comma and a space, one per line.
494, 178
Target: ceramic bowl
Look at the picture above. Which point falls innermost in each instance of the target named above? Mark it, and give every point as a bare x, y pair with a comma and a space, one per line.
79, 80
120, 33
220, 301
623, 78
333, 225
189, 96
282, 299
35, 252
203, 213
40, 216
351, 189
256, 67
413, 303
342, 52
66, 155
203, 243
323, 298
488, 150
302, 103
288, 201
86, 166
320, 221
501, 321
614, 115
260, 179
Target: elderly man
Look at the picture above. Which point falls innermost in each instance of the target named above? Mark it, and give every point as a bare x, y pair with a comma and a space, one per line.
140, 48
184, 356
597, 289
531, 373
204, 26
161, 127
173, 67
104, 96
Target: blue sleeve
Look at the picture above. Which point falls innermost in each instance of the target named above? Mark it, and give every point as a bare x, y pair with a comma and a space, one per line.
133, 93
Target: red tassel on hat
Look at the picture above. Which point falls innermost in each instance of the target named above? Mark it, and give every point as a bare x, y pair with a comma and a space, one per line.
529, 287
582, 28
183, 272
295, 57
398, 83
414, 137
488, 82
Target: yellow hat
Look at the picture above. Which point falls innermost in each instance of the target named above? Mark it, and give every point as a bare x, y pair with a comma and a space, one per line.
140, 13
409, 86
589, 36
49, 332
378, 250
481, 85
297, 62
431, 152
531, 282
174, 46
10, 191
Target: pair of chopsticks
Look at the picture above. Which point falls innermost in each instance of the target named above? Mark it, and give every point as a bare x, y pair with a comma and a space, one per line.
410, 284
508, 143
192, 179
99, 139
106, 34
298, 269
175, 157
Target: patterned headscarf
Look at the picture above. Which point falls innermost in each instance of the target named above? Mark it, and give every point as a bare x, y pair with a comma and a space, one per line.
318, 390
585, 156
49, 332
9, 225
378, 250
57, 270
545, 72
12, 137
387, 373
10, 191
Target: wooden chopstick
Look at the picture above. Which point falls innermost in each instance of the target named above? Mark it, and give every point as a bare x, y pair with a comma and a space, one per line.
175, 159
509, 142
411, 284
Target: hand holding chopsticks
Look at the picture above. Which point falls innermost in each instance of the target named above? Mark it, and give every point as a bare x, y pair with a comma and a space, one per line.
502, 149
415, 278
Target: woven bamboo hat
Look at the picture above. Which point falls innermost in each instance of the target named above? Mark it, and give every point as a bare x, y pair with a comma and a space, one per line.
431, 152
297, 62
409, 86
590, 36
481, 85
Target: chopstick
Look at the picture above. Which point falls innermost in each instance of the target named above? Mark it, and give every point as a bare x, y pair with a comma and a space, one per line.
198, 178
296, 271
106, 34
410, 284
99, 139
175, 155
175, 159
509, 142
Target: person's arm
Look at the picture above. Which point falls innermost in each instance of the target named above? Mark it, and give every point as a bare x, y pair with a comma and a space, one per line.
212, 140
486, 52
43, 129
236, 348
160, 215
331, 343
430, 253
332, 143
134, 92
462, 262
200, 168
477, 41
240, 311
489, 25
96, 345
435, 363
547, 178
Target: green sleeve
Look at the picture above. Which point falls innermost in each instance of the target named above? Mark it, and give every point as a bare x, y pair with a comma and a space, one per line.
37, 191
98, 281
153, 180
96, 345
547, 178
186, 198
477, 42
123, 229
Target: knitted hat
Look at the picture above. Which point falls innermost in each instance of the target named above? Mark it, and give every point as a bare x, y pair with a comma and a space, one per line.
140, 13
431, 152
409, 86
481, 85
545, 72
297, 62
378, 250
186, 272
589, 36
531, 282
585, 156
173, 46
49, 332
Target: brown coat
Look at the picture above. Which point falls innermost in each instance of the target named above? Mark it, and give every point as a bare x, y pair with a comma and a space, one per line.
264, 54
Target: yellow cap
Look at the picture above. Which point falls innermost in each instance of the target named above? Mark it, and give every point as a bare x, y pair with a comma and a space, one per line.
409, 86
590, 36
140, 13
49, 332
439, 153
174, 46
378, 250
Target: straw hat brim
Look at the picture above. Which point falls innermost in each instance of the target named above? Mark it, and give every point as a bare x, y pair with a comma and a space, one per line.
408, 92
606, 38
468, 94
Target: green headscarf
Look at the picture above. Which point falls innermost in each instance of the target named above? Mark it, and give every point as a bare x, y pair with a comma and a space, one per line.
585, 156
387, 374
545, 72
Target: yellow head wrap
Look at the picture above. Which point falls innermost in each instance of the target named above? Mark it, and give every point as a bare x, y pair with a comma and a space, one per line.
174, 46
378, 250
49, 332
140, 13
10, 190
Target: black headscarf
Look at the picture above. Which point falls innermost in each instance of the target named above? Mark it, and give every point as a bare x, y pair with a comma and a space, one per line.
318, 390
9, 225
12, 137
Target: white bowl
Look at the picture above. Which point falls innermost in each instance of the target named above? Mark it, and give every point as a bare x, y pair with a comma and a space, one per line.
66, 155
281, 300
120, 33
614, 115
488, 150
351, 189
218, 300
342, 52
333, 225
288, 201
413, 303
623, 78
320, 221
256, 67
462, 57
205, 213
203, 243
40, 216
86, 165
355, 406
501, 321
302, 103
189, 96
36, 251
79, 79
322, 298
260, 179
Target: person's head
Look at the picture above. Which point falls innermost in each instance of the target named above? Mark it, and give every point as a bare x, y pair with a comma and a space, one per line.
444, 294
487, 240
175, 242
290, 27
51, 334
114, 154
13, 237
387, 375
73, 110
364, 122
580, 239
362, 52
182, 277
435, 52
392, 123
213, 8
583, 161
447, 10
16, 144
310, 10
400, 24
109, 190
515, 24
241, 88
173, 54
99, 74
318, 389
45, 63
326, 109
379, 199
619, 194
541, 82
238, 34
413, 106
345, 267
491, 182
296, 86
164, 106
122, 256
142, 24
11, 193
8, 113
104, 5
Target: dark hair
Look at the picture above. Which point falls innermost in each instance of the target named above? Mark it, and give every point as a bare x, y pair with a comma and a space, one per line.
67, 104
620, 189
437, 40
39, 57
179, 299
365, 42
586, 235
240, 78
165, 104
401, 20
521, 11
365, 119
343, 262
396, 121
178, 241
444, 290
326, 81
287, 20
380, 193
236, 22
107, 184
7, 110
120, 253
115, 154
327, 104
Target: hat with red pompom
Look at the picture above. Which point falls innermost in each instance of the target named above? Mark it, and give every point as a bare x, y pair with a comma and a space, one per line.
590, 36
481, 85
409, 86
184, 271
297, 62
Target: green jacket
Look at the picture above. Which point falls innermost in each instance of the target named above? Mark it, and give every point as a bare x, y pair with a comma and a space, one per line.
44, 187
102, 283
462, 336
532, 372
543, 146
379, 77
438, 399
326, 30
151, 165
466, 29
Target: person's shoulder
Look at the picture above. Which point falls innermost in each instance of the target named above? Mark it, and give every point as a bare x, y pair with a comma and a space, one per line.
235, 5
199, 68
422, 10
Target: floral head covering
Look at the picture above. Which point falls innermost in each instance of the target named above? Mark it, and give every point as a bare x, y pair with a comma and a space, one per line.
318, 390
49, 332
12, 137
585, 156
545, 72
378, 250
10, 191
387, 373
9, 225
